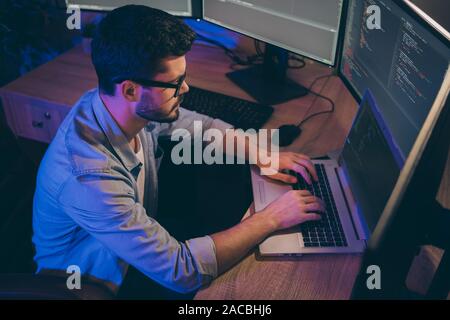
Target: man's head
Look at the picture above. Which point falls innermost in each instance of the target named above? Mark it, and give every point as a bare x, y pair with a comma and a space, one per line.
139, 56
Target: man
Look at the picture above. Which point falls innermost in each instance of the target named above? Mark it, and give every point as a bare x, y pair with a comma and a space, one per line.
96, 194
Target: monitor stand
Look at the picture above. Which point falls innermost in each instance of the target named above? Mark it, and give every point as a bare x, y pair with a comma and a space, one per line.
267, 82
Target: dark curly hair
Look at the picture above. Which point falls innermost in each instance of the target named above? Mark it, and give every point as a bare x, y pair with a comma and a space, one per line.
131, 41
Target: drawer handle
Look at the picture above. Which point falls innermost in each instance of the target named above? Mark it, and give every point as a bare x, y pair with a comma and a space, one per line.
47, 115
37, 124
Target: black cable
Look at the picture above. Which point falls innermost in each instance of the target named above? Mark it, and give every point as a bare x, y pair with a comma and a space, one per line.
317, 79
228, 52
258, 48
298, 59
320, 112
320, 96
250, 60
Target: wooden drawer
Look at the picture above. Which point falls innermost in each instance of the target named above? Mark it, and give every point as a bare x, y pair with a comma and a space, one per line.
33, 118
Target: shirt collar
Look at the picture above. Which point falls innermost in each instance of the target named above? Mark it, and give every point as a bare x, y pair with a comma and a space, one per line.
114, 134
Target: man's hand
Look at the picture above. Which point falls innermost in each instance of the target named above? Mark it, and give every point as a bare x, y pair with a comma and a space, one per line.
292, 208
295, 162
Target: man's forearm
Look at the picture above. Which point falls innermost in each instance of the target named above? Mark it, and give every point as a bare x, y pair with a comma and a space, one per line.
234, 243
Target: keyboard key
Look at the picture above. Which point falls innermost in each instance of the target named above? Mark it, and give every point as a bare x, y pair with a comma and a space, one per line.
327, 232
238, 112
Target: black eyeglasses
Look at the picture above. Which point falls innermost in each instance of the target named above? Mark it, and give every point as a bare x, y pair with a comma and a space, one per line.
153, 83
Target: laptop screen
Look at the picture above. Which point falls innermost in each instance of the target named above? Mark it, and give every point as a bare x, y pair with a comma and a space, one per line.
371, 161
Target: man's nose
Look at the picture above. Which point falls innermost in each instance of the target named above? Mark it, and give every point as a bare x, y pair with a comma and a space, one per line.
184, 87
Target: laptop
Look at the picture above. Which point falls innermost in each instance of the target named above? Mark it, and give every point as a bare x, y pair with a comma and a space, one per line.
354, 185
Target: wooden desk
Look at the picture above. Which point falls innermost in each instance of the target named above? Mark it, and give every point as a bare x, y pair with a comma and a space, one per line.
36, 103
308, 277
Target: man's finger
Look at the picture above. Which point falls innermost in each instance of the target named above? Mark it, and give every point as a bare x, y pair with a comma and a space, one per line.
304, 193
314, 206
312, 217
301, 156
314, 198
302, 171
309, 199
286, 178
309, 165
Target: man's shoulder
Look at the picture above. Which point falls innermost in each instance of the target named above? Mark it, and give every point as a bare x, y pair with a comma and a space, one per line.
81, 139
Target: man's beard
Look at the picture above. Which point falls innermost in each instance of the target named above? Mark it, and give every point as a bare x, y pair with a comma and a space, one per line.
144, 110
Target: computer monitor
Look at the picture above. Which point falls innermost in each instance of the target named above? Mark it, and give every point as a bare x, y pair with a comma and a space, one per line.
408, 215
182, 8
306, 27
403, 63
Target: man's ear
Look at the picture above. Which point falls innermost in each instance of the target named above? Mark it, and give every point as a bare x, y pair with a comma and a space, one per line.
129, 90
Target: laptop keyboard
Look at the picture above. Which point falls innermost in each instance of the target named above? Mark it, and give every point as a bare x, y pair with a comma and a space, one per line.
328, 231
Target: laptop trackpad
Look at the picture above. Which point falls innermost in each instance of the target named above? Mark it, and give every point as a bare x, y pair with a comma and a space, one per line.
270, 191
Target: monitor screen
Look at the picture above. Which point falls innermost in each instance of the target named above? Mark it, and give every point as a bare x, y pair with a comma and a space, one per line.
403, 63
307, 27
175, 7
402, 227
372, 161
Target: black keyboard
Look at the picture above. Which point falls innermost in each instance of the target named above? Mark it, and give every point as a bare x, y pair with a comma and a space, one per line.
237, 112
328, 231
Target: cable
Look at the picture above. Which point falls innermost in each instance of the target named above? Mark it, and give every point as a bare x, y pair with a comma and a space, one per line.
258, 48
320, 96
317, 79
228, 52
251, 60
299, 59
320, 112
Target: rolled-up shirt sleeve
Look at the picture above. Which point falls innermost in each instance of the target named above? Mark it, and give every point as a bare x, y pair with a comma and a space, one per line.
103, 204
